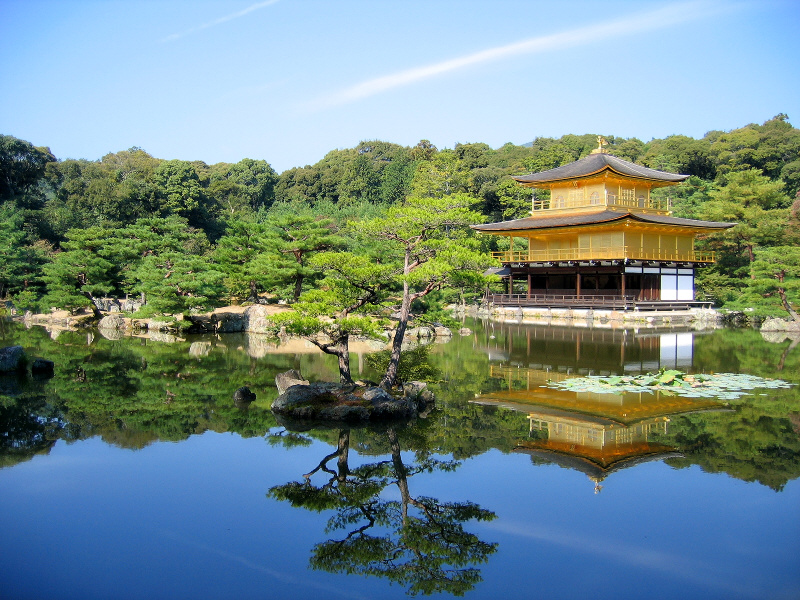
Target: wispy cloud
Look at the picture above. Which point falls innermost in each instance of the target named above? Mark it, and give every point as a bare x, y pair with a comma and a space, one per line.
635, 556
656, 19
225, 19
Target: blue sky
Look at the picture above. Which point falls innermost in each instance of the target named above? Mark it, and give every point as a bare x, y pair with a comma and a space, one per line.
289, 80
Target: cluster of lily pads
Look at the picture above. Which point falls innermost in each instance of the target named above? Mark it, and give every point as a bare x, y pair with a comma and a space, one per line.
726, 386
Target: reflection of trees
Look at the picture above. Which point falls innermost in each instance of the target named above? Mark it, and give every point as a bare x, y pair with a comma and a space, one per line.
417, 542
28, 426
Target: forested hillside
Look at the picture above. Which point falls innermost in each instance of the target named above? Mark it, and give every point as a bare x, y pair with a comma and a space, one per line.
189, 235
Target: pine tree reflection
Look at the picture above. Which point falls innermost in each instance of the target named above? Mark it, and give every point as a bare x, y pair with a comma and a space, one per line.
418, 542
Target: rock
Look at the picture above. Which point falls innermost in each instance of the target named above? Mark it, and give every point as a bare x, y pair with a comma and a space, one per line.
243, 396
465, 331
331, 403
418, 393
773, 324
12, 358
285, 380
229, 322
735, 318
442, 332
112, 321
256, 319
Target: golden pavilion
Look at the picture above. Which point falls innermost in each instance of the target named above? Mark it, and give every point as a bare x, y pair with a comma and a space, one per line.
601, 240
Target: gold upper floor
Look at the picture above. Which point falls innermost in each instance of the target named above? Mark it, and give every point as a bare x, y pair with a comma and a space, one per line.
602, 193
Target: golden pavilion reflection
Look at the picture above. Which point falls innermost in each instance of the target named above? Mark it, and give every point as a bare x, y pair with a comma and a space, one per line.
591, 432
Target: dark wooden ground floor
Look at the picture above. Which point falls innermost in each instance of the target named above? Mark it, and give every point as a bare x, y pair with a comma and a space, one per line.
620, 285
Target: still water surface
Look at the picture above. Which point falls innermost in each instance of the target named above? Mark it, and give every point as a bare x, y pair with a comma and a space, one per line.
131, 474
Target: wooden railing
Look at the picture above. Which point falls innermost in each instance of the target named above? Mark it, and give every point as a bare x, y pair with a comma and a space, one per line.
585, 200
607, 253
598, 299
564, 300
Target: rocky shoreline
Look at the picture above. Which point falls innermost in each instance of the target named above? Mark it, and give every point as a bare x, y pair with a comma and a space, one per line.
255, 319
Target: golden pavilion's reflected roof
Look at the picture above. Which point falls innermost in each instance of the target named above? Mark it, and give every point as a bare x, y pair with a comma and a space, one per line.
594, 433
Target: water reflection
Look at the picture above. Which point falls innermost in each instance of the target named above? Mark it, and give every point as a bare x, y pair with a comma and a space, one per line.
588, 351
594, 433
418, 542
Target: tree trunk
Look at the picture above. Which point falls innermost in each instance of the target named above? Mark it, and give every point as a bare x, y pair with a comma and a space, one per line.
390, 377
343, 450
343, 353
400, 472
95, 311
787, 305
789, 348
298, 286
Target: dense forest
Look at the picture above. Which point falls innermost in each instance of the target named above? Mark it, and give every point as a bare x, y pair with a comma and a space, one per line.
189, 236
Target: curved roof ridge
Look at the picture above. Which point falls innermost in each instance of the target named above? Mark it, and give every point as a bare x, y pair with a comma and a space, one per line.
595, 163
546, 222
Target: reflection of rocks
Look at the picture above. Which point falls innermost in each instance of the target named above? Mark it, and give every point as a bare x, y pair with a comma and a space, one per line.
305, 405
776, 337
200, 349
12, 359
259, 345
10, 384
42, 368
112, 334
13, 366
167, 338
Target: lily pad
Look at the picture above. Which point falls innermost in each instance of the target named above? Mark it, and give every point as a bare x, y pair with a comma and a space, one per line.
726, 386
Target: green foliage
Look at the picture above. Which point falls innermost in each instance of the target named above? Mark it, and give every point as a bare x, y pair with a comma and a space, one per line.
175, 283
15, 264
80, 272
21, 166
414, 365
759, 208
245, 256
292, 239
776, 274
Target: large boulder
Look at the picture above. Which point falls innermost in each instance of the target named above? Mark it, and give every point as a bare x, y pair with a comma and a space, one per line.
773, 324
112, 321
12, 359
229, 322
256, 319
285, 380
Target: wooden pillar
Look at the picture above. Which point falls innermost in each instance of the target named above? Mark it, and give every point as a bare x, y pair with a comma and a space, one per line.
578, 284
622, 287
529, 285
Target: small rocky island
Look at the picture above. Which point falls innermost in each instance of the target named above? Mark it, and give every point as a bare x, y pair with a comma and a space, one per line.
303, 405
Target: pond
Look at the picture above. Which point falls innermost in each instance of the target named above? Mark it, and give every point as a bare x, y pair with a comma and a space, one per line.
132, 474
